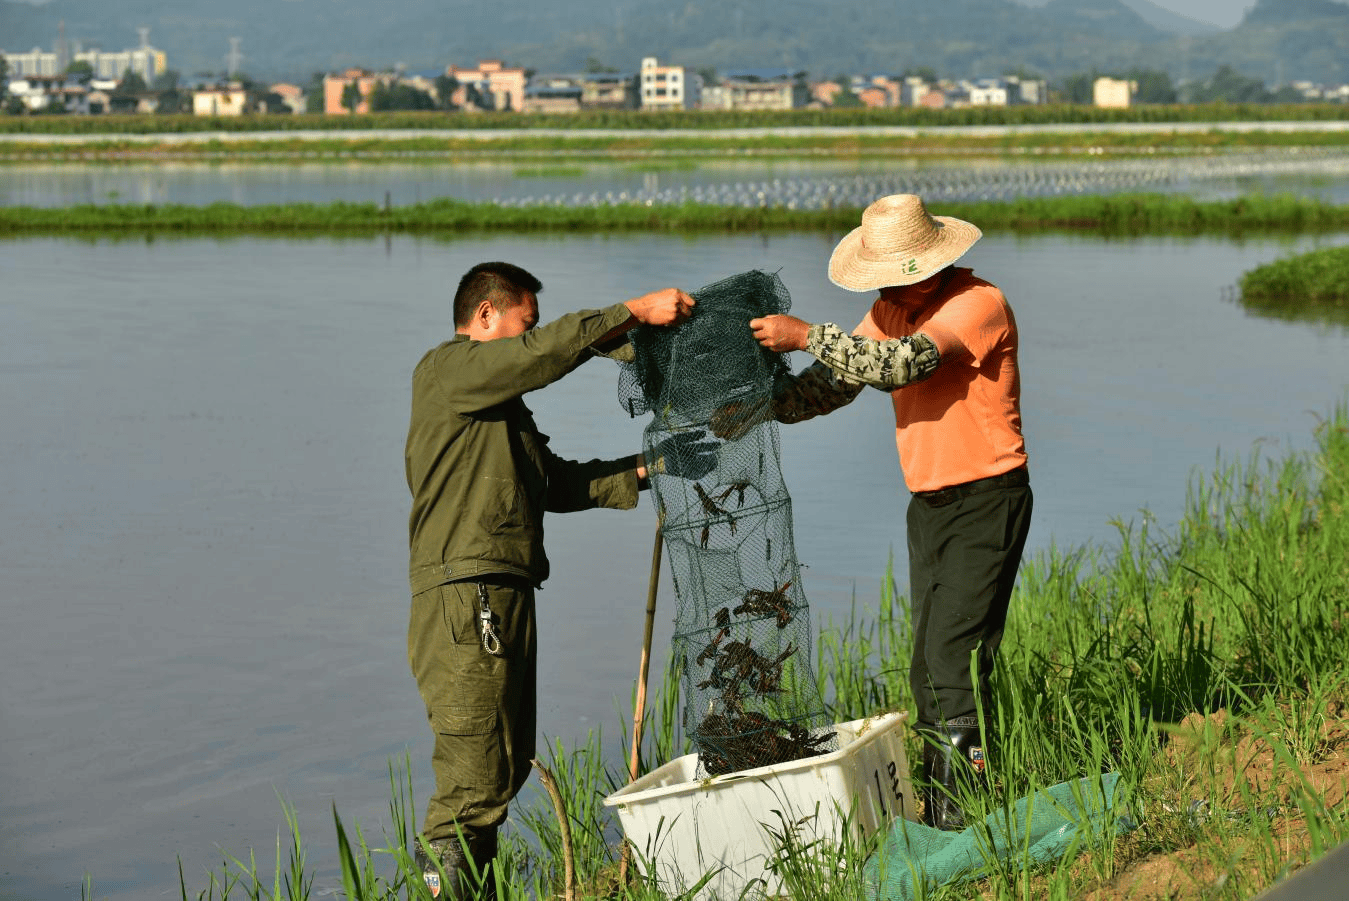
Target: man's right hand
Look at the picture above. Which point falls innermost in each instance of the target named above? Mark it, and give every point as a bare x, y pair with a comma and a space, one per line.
668, 306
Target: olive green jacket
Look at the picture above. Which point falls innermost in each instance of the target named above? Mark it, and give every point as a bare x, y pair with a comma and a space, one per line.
480, 471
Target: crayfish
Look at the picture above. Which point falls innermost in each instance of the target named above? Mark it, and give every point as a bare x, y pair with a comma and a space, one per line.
763, 603
715, 512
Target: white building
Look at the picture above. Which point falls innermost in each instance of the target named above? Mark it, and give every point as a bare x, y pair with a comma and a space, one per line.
1112, 93
987, 92
228, 100
36, 62
669, 87
145, 61
33, 92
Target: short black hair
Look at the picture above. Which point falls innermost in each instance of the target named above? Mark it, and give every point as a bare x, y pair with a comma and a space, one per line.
501, 284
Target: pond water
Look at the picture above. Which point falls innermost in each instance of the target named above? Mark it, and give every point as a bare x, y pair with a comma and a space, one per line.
1312, 172
204, 535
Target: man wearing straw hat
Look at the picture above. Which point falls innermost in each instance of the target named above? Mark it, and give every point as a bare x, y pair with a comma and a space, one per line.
943, 343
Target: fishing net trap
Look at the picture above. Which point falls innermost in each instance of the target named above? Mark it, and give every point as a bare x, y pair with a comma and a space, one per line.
742, 640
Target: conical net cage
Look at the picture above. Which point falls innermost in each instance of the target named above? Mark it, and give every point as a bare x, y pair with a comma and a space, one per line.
742, 639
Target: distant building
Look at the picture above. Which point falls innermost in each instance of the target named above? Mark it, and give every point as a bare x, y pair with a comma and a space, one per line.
878, 91
1112, 93
291, 95
912, 90
935, 97
609, 90
97, 102
669, 87
335, 90
145, 61
222, 100
756, 89
491, 86
824, 92
986, 92
553, 94
1030, 91
36, 63
35, 92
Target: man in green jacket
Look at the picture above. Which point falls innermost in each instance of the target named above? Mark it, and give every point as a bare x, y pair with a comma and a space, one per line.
481, 476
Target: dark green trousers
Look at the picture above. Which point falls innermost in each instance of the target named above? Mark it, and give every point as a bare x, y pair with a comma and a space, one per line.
964, 548
481, 706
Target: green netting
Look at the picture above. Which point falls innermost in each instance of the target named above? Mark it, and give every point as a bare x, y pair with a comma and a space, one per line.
1048, 826
742, 633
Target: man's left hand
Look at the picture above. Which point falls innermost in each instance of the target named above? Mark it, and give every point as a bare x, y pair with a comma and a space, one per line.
780, 333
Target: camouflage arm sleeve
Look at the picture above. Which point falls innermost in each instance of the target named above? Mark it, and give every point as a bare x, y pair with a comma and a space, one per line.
858, 360
812, 392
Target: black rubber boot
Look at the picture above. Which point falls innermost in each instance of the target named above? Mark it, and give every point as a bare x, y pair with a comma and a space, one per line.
953, 766
459, 882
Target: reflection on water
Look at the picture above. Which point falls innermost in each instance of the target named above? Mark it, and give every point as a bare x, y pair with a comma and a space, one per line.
204, 535
804, 184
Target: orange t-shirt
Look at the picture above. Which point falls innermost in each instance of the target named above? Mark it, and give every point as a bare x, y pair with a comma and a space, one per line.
964, 422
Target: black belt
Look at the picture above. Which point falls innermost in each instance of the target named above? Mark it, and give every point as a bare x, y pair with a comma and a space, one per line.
943, 496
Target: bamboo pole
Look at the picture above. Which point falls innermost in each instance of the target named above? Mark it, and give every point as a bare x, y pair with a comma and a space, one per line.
644, 668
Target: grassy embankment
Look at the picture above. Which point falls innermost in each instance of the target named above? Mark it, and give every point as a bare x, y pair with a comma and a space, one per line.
688, 149
1048, 114
1206, 666
1111, 215
1039, 131
1311, 285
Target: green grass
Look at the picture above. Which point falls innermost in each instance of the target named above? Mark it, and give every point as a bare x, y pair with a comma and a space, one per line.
1312, 285
1206, 666
1123, 215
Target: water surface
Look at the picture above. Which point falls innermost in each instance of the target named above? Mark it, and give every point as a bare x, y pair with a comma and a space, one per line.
808, 183
204, 539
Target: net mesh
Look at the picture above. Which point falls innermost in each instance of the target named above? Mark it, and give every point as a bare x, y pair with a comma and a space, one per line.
742, 637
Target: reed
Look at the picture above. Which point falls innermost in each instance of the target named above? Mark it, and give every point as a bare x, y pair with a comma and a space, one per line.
1204, 665
1120, 215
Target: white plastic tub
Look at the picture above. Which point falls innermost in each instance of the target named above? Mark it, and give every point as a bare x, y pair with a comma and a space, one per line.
683, 828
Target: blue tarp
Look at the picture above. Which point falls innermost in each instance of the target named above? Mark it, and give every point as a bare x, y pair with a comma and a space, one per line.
1049, 825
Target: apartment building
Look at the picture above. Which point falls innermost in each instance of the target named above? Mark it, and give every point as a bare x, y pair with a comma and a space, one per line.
145, 61
36, 63
669, 87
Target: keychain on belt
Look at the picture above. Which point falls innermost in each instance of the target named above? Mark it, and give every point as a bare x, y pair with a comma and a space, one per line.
491, 641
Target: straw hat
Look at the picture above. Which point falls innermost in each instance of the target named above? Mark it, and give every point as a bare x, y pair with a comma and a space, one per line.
898, 243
